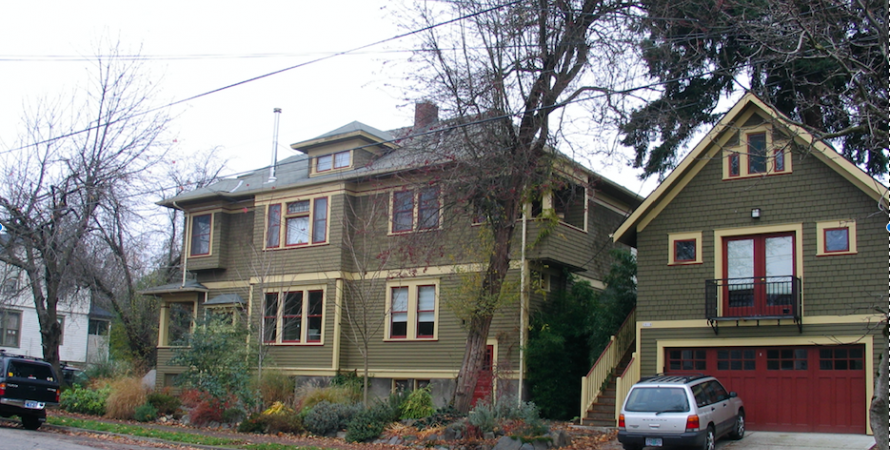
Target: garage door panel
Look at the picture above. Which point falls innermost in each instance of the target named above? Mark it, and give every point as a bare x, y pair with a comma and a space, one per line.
805, 389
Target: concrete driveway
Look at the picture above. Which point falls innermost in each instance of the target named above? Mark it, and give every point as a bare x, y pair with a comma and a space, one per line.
763, 440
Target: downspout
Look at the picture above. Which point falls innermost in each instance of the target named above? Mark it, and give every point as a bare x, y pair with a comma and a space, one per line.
523, 297
182, 256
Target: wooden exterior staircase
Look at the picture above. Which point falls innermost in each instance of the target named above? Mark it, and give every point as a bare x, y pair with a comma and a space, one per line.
604, 388
602, 412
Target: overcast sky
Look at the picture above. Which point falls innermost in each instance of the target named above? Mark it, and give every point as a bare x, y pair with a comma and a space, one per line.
197, 46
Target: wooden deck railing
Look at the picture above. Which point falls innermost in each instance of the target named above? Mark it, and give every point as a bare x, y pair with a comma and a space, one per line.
591, 385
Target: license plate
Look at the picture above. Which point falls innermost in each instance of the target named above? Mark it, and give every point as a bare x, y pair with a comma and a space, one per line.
31, 404
653, 442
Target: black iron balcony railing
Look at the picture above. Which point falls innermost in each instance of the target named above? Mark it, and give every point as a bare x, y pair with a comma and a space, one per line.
759, 298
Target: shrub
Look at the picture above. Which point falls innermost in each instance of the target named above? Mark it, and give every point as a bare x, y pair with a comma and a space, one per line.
253, 424
284, 422
85, 401
486, 416
126, 395
327, 418
483, 416
442, 417
206, 411
146, 413
365, 426
275, 386
418, 405
351, 381
164, 403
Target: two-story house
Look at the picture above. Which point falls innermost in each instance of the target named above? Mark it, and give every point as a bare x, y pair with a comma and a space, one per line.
354, 226
761, 262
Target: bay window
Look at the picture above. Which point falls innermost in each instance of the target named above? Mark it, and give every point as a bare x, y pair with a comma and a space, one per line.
305, 222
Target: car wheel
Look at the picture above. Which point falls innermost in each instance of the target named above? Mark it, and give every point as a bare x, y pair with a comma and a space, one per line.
31, 422
710, 440
738, 431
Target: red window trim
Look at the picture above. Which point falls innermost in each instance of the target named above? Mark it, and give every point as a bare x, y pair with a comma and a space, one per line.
334, 165
825, 240
421, 209
695, 250
285, 317
735, 159
409, 208
393, 311
417, 326
316, 222
266, 317
270, 225
779, 155
310, 316
751, 154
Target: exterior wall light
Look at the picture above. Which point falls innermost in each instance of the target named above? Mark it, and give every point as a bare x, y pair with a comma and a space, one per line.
755, 213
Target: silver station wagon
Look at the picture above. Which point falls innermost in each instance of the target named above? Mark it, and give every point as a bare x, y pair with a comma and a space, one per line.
673, 410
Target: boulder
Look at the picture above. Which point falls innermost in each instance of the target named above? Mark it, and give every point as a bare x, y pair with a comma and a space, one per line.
508, 443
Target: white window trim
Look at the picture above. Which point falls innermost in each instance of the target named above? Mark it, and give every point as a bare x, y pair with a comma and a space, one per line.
674, 237
411, 332
415, 216
304, 317
742, 150
849, 224
283, 216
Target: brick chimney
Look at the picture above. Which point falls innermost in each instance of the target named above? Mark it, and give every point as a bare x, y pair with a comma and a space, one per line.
425, 114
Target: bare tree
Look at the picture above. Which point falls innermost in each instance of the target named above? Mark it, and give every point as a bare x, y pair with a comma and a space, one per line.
506, 68
76, 157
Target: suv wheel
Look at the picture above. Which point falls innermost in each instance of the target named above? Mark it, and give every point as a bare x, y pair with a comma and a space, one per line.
31, 422
710, 440
738, 431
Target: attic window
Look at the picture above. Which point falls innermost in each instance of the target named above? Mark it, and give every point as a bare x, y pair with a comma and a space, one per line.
757, 154
340, 160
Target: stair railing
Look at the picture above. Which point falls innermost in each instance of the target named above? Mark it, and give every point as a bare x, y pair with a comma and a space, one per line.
623, 383
592, 384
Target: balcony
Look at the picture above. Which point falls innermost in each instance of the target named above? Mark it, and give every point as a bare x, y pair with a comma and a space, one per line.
771, 298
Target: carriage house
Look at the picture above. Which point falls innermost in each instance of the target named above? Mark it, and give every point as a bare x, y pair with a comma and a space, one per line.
761, 262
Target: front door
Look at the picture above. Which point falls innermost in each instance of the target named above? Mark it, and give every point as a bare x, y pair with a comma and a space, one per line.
759, 271
484, 382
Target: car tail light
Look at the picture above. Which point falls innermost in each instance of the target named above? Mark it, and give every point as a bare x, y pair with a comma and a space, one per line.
58, 392
692, 423
621, 421
2, 388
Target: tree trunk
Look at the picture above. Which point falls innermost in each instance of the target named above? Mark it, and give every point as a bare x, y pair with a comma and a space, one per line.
477, 340
880, 406
365, 377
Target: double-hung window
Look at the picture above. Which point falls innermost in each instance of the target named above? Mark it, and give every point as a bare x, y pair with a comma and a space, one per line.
415, 210
303, 222
200, 232
412, 311
293, 316
339, 160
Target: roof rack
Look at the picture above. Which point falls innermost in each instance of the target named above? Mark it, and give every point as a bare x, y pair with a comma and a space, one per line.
672, 378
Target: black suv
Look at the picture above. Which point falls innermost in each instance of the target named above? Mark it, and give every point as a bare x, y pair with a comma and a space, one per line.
27, 387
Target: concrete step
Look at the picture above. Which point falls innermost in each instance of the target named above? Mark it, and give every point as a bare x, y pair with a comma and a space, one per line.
598, 423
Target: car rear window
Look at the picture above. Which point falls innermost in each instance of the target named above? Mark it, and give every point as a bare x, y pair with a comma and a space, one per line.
21, 369
658, 400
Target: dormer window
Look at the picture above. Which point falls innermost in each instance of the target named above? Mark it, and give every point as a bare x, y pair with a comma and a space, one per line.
340, 160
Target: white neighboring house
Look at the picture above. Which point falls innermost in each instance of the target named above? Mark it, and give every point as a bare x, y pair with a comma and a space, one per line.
20, 328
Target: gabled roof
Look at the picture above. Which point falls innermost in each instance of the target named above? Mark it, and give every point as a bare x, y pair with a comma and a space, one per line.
695, 161
348, 131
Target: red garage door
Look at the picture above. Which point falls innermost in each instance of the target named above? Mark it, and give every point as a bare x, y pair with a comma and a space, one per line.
815, 389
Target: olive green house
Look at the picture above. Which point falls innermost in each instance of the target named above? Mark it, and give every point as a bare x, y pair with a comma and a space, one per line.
350, 250
761, 262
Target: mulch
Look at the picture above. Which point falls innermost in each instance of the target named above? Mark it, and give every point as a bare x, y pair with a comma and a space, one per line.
582, 438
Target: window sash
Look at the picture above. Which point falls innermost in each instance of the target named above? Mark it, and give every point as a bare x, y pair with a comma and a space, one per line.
288, 315
273, 231
320, 221
201, 235
10, 328
297, 230
314, 316
403, 211
399, 313
426, 311
684, 250
757, 153
270, 318
428, 209
341, 160
292, 317
837, 239
179, 322
323, 163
